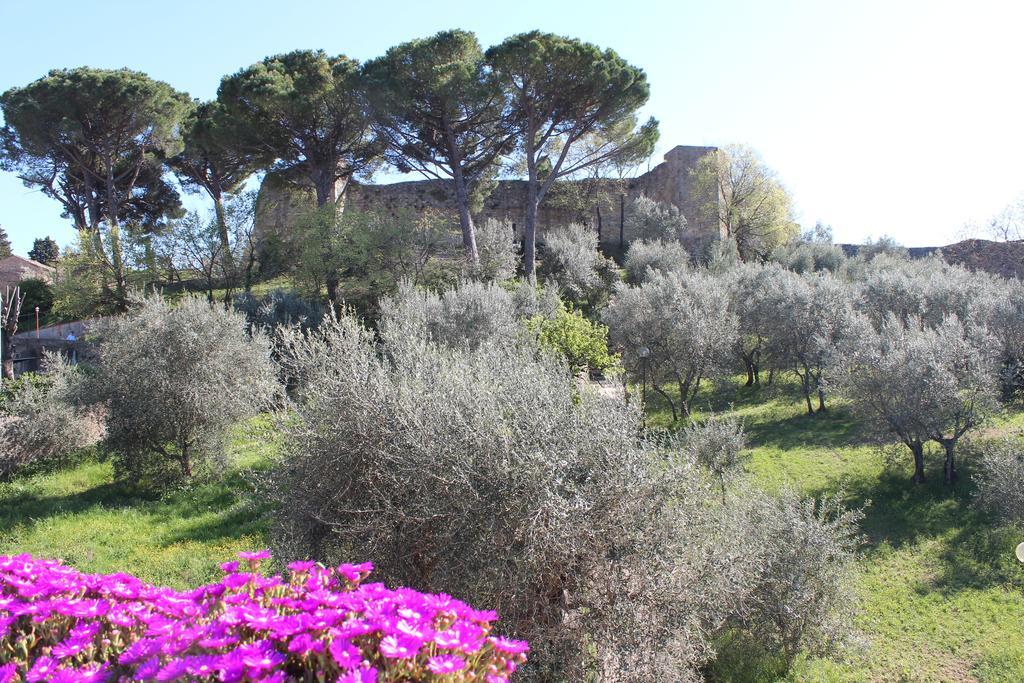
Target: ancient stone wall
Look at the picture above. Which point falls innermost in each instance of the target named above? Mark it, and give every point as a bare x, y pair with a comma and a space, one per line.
598, 203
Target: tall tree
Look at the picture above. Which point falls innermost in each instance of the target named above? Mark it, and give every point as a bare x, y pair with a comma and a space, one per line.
750, 202
308, 113
442, 114
45, 250
561, 91
215, 160
5, 244
96, 139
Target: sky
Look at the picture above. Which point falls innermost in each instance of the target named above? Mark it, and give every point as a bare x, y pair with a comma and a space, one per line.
899, 118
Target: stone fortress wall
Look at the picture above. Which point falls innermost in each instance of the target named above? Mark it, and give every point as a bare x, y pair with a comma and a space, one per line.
597, 203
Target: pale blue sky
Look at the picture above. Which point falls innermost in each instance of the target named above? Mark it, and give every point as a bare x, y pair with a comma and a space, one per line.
881, 117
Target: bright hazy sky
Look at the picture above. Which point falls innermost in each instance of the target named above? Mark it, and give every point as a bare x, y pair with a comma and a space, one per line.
896, 117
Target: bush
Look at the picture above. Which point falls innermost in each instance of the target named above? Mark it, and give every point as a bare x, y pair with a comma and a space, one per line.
463, 317
498, 251
279, 308
318, 624
44, 426
487, 472
717, 444
654, 255
174, 379
573, 263
582, 343
649, 220
799, 554
1000, 471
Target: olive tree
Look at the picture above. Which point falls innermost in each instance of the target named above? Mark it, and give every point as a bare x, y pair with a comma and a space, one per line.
573, 263
174, 378
497, 251
487, 472
43, 423
647, 219
464, 316
673, 328
645, 256
923, 384
812, 321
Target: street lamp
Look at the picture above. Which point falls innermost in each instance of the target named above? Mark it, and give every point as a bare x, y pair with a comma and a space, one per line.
37, 323
644, 353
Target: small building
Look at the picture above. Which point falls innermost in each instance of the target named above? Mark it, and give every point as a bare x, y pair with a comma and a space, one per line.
14, 269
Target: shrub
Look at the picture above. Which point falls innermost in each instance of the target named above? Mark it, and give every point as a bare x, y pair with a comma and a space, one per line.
279, 308
573, 263
498, 251
44, 425
717, 444
649, 220
645, 256
798, 554
174, 379
582, 343
1000, 471
464, 316
488, 473
318, 624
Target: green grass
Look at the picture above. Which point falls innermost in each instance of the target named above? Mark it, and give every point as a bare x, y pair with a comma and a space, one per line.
83, 517
941, 597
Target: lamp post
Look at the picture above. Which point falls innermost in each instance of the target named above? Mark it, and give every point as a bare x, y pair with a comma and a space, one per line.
644, 353
37, 323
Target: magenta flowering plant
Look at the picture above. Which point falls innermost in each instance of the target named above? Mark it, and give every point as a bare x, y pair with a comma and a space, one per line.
314, 624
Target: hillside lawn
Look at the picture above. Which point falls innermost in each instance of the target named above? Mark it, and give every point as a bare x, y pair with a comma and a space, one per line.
941, 595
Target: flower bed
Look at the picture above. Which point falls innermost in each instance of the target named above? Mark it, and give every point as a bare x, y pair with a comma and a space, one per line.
318, 624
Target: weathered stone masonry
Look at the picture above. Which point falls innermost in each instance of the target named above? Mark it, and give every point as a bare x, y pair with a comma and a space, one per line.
597, 203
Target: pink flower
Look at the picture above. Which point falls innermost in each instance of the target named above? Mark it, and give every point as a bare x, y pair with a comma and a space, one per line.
446, 664
399, 647
509, 646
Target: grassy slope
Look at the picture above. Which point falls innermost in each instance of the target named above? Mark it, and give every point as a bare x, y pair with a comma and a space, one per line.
942, 598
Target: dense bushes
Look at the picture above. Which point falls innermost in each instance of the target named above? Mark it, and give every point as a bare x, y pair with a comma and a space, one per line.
649, 220
174, 379
40, 424
486, 471
57, 624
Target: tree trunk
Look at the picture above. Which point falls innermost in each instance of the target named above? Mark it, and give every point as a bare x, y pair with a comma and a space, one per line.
225, 243
186, 463
821, 400
949, 468
465, 218
530, 229
671, 404
917, 448
750, 371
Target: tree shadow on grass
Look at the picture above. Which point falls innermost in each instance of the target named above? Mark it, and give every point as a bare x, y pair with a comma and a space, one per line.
208, 509
834, 428
975, 552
